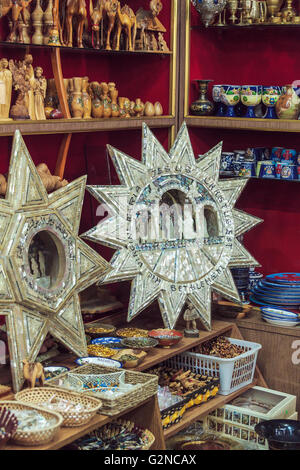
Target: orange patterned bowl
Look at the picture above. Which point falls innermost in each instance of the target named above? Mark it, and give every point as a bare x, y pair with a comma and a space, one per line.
166, 337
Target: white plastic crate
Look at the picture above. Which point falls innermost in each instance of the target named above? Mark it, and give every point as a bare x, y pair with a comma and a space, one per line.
234, 373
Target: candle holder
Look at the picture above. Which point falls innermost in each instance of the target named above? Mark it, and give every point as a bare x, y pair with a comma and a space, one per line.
203, 106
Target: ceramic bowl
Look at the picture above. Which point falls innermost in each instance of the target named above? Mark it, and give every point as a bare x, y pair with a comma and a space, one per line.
110, 342
251, 95
139, 343
98, 361
281, 434
270, 95
166, 337
109, 329
54, 371
230, 95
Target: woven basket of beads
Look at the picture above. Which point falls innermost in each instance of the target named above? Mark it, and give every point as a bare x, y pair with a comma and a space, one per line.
76, 408
119, 435
142, 386
38, 435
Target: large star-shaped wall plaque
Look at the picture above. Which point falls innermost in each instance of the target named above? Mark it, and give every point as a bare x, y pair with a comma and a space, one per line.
43, 262
166, 262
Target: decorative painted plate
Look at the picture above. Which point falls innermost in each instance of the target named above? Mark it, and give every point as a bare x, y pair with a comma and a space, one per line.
109, 341
285, 278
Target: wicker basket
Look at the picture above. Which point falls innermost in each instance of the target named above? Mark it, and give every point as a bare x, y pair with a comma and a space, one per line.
146, 436
146, 387
39, 395
34, 438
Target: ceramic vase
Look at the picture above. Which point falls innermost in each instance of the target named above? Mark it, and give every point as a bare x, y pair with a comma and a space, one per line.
270, 96
113, 93
121, 107
105, 100
288, 104
97, 105
139, 107
76, 98
51, 99
48, 21
251, 97
127, 107
37, 22
86, 99
202, 106
217, 91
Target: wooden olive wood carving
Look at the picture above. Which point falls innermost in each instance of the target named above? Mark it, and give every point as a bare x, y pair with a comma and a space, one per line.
32, 372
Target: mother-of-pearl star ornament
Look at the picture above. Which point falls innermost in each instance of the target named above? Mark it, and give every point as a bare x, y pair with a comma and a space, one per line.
174, 226
43, 262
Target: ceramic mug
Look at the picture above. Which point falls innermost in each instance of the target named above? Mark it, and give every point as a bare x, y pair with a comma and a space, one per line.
278, 166
251, 97
267, 170
289, 155
247, 169
276, 154
289, 172
226, 163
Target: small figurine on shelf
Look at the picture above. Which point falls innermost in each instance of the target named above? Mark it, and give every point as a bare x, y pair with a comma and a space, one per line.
149, 29
75, 8
51, 182
96, 14
190, 316
29, 96
3, 185
39, 91
6, 89
33, 371
17, 8
126, 20
86, 99
105, 100
113, 93
162, 45
94, 91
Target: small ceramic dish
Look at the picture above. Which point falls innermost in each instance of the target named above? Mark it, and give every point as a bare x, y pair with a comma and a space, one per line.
110, 342
166, 337
139, 343
132, 333
98, 361
280, 313
98, 329
53, 371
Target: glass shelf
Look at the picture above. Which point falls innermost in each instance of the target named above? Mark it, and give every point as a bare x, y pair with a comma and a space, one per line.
249, 27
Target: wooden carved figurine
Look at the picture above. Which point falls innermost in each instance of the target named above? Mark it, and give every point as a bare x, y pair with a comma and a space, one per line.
16, 7
75, 8
51, 182
110, 7
47, 22
94, 91
105, 100
29, 96
126, 21
37, 23
96, 14
39, 91
76, 103
32, 372
21, 84
3, 185
190, 316
113, 93
6, 79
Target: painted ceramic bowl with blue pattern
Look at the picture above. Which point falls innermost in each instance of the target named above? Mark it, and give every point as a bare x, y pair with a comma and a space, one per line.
110, 342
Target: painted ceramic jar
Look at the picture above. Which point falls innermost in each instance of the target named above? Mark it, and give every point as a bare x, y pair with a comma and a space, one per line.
231, 97
251, 97
139, 107
121, 107
86, 99
106, 101
267, 170
288, 105
247, 169
226, 162
288, 172
270, 96
97, 105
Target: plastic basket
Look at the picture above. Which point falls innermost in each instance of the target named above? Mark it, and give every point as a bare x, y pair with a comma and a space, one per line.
234, 373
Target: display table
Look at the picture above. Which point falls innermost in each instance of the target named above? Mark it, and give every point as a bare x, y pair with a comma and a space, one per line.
147, 413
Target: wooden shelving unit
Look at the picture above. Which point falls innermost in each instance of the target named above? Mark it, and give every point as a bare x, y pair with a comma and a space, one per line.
147, 413
264, 125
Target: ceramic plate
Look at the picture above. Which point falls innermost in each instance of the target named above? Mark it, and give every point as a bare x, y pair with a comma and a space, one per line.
279, 312
278, 318
99, 361
280, 323
109, 341
284, 278
253, 299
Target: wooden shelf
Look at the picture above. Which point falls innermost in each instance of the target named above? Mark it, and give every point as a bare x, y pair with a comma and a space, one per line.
250, 27
198, 412
265, 125
83, 50
66, 126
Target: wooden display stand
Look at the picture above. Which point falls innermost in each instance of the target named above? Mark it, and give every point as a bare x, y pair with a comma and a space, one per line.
147, 414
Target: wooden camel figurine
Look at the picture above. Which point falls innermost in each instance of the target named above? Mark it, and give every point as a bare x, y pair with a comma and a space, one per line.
96, 14
17, 8
126, 20
32, 372
75, 8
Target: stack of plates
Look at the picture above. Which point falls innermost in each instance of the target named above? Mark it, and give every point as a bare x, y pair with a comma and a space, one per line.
282, 289
279, 317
